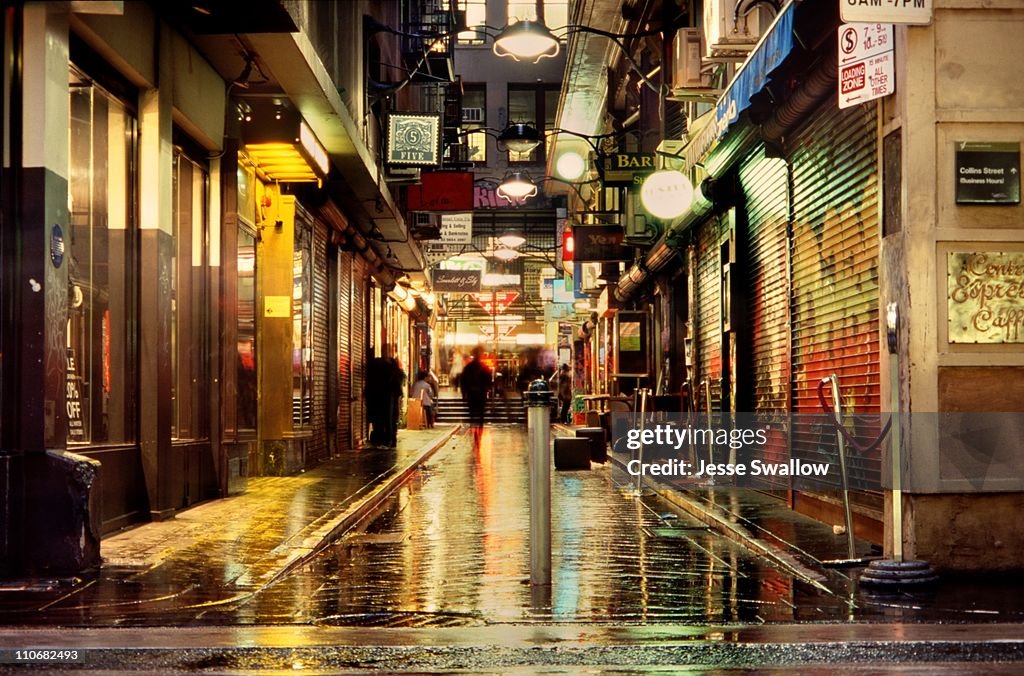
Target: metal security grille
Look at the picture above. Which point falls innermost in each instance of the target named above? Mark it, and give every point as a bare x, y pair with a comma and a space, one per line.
709, 302
321, 347
344, 356
357, 340
765, 333
835, 275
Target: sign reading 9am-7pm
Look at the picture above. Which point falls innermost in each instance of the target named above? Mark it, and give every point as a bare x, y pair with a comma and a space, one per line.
918, 12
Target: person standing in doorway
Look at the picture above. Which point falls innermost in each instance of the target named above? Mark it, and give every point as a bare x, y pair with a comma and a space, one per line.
396, 388
423, 391
474, 383
378, 401
561, 384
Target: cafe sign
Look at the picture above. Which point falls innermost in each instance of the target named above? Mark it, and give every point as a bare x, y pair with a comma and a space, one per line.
455, 281
414, 139
985, 297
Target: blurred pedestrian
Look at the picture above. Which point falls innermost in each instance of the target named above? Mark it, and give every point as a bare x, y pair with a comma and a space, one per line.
378, 401
396, 388
424, 392
475, 382
561, 384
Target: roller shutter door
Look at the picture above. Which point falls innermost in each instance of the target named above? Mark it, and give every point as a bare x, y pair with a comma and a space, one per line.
321, 300
764, 335
834, 252
709, 298
344, 355
357, 341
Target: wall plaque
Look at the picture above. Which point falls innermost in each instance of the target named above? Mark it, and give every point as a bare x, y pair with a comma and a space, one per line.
985, 297
987, 173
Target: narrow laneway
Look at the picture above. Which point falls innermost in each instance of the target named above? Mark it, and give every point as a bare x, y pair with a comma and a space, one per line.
451, 548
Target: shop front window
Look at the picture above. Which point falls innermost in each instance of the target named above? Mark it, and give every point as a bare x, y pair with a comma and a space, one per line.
189, 301
101, 293
246, 310
302, 326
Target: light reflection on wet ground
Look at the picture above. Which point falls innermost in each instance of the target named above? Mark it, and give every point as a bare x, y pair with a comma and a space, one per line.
450, 548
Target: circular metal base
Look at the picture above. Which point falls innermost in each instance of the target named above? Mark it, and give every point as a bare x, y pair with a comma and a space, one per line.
890, 574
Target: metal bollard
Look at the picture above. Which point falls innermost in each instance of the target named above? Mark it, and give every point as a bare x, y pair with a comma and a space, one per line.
538, 422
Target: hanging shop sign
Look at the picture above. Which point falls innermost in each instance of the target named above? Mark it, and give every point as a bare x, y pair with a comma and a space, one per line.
985, 297
597, 243
987, 173
457, 228
627, 168
495, 302
455, 281
414, 139
917, 12
443, 191
866, 63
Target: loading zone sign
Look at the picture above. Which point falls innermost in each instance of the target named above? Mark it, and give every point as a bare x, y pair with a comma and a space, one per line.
866, 66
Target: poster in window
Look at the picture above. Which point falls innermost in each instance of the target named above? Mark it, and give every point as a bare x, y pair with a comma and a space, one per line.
629, 336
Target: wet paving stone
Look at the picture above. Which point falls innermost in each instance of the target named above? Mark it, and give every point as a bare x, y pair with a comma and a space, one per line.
449, 548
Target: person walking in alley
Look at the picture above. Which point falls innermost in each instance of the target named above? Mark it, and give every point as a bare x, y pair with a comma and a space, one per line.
423, 391
561, 384
396, 388
474, 383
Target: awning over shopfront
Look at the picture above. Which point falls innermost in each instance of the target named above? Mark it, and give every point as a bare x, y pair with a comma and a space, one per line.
755, 72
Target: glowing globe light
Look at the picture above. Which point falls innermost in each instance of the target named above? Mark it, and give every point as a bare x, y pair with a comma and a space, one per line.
512, 239
570, 165
527, 40
666, 194
516, 186
506, 254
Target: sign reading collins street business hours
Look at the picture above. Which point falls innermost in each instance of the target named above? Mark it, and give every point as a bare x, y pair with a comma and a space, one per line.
987, 173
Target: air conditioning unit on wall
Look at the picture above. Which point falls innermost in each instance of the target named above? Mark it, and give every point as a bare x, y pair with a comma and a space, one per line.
691, 75
732, 28
472, 115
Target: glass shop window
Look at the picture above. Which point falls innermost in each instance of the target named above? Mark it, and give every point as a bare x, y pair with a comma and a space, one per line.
246, 308
190, 347
101, 344
302, 325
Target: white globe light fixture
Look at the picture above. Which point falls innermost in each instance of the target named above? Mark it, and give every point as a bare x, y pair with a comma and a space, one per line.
516, 186
513, 239
506, 254
570, 165
666, 194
